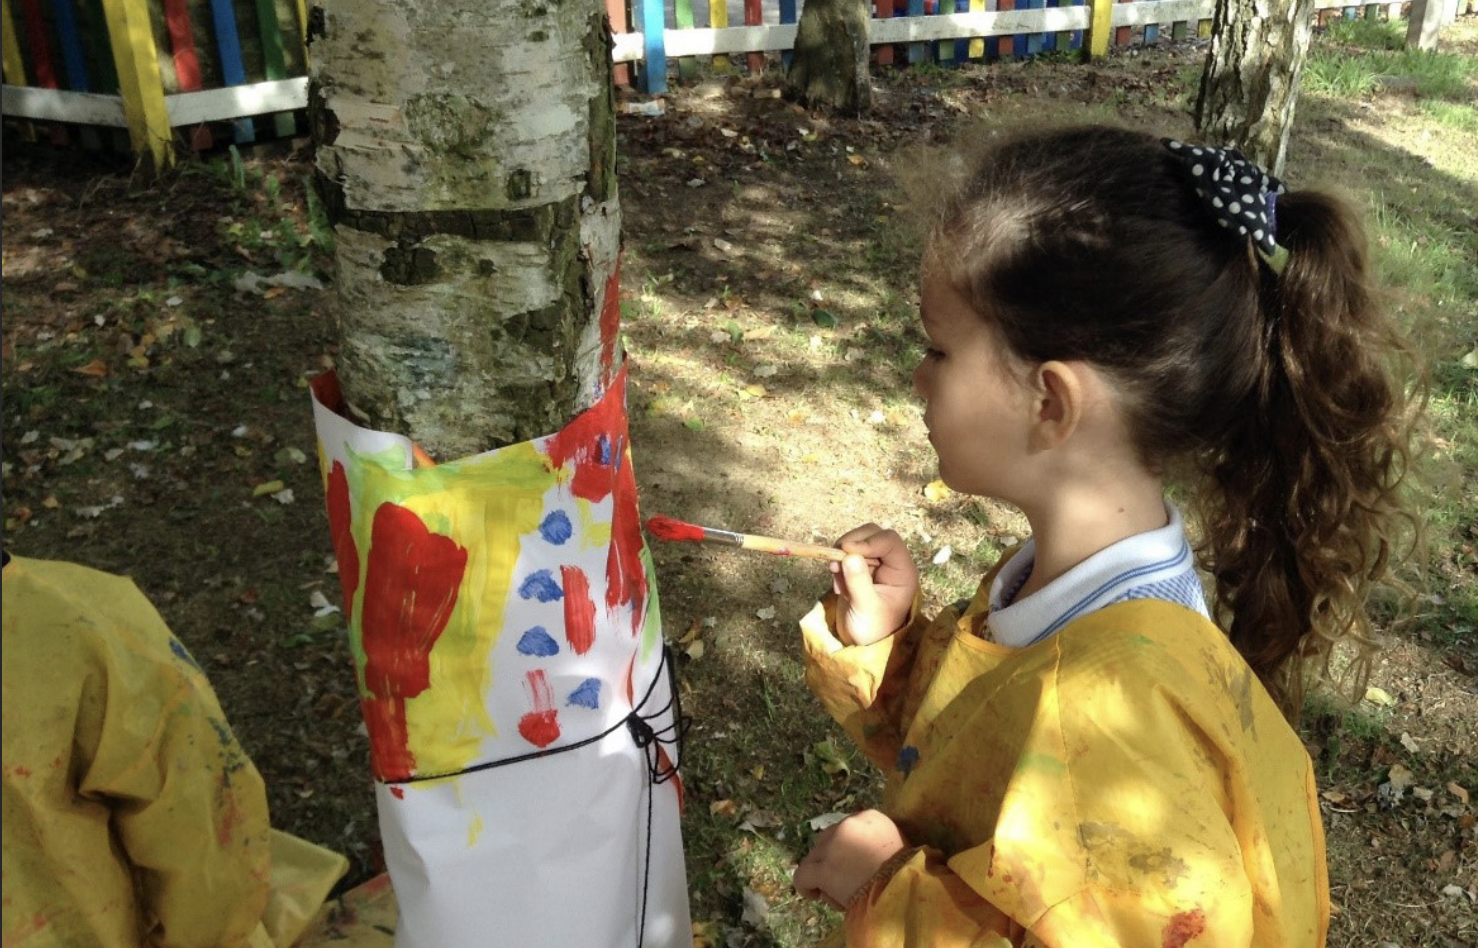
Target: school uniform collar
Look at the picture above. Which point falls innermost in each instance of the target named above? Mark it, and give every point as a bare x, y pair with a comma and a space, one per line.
1097, 581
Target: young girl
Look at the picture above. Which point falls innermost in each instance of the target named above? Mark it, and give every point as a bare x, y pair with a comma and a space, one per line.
1079, 756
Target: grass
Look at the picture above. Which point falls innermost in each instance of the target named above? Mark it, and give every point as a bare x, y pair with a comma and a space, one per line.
1358, 73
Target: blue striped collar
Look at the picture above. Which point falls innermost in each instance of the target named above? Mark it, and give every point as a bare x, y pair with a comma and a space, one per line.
1145, 558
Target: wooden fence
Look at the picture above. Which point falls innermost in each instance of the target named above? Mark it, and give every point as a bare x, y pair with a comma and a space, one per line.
190, 72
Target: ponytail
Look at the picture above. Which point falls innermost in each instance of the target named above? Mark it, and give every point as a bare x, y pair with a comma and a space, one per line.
1266, 367
1307, 513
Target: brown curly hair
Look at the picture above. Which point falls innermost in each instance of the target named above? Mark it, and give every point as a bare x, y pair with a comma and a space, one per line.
1279, 393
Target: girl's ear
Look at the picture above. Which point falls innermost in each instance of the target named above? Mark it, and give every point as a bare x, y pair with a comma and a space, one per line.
1058, 401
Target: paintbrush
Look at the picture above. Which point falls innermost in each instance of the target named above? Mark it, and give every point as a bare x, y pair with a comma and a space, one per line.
666, 528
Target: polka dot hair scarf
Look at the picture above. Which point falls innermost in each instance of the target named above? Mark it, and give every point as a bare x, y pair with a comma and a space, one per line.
1241, 196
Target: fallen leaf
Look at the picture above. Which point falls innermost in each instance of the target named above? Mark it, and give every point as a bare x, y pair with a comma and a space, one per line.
705, 935
1399, 777
96, 369
1458, 791
694, 630
321, 605
722, 808
1408, 742
935, 491
1379, 696
51, 503
284, 496
756, 908
819, 823
942, 557
830, 758
754, 391
696, 650
757, 771
269, 487
768, 612
1422, 794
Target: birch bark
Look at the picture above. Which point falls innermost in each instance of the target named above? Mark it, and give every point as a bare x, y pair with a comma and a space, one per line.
1250, 86
466, 152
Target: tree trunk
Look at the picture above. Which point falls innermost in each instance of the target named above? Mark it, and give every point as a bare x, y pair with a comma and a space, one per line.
466, 150
830, 65
1250, 86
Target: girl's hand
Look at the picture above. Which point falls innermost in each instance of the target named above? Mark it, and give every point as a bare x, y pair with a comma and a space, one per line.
874, 601
846, 857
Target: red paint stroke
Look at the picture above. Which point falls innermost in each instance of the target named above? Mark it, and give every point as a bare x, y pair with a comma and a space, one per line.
666, 528
228, 816
627, 680
610, 324
1183, 927
664, 765
410, 589
626, 576
581, 440
540, 726
595, 442
340, 526
398, 793
579, 609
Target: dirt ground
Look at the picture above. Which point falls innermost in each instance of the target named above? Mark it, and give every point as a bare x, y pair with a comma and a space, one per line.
156, 422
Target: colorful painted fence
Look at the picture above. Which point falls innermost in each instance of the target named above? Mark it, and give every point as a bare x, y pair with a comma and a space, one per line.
162, 69
186, 72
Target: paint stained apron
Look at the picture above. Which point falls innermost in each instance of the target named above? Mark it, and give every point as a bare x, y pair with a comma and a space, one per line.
512, 675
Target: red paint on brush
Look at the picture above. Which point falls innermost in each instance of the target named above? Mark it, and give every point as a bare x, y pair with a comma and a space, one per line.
540, 726
397, 793
1182, 928
666, 528
340, 528
411, 586
579, 609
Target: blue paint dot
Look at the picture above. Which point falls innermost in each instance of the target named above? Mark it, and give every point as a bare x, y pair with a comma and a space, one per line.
538, 642
542, 586
603, 445
182, 654
908, 758
556, 527
588, 694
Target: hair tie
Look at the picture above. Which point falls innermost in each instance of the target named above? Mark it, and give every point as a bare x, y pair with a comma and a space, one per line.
1242, 197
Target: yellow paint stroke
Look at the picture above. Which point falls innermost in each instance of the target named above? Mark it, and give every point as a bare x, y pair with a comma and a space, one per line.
593, 533
474, 830
487, 504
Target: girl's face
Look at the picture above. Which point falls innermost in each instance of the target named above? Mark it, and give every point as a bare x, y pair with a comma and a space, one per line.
976, 408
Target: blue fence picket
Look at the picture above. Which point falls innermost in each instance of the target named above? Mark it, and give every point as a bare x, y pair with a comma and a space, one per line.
233, 67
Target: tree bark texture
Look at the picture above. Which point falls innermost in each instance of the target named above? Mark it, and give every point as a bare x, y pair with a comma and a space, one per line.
1250, 86
466, 150
830, 62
